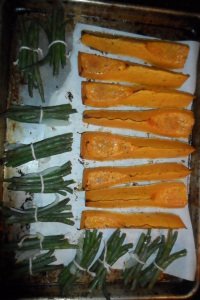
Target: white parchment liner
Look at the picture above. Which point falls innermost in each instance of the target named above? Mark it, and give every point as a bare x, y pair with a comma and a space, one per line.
73, 85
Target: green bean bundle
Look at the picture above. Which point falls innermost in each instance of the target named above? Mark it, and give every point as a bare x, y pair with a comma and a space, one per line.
143, 250
33, 266
37, 114
49, 181
38, 241
164, 258
28, 56
113, 250
83, 260
51, 146
54, 212
56, 36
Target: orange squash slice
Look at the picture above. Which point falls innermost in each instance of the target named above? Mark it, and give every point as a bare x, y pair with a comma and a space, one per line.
165, 195
103, 146
95, 219
103, 68
169, 122
161, 53
99, 94
104, 177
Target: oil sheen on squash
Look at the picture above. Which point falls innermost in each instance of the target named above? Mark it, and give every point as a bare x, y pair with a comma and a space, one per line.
96, 219
98, 94
170, 122
165, 195
104, 177
104, 146
103, 68
161, 53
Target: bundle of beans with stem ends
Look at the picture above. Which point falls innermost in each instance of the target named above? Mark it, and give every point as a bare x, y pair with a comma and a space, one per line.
49, 181
40, 242
29, 56
55, 30
35, 265
88, 248
54, 212
22, 154
37, 114
150, 275
113, 250
143, 250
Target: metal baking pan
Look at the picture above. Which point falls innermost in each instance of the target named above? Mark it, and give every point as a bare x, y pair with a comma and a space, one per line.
162, 23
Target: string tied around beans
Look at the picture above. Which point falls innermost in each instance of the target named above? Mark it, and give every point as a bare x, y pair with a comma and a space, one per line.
84, 259
29, 55
35, 264
51, 180
103, 261
38, 114
32, 242
22, 154
84, 269
54, 28
57, 211
38, 235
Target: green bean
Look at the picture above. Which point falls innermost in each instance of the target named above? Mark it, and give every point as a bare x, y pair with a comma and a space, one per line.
48, 243
47, 147
88, 250
40, 263
31, 114
52, 178
28, 59
56, 212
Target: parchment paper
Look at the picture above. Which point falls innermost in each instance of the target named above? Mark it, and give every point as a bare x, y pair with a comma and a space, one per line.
75, 125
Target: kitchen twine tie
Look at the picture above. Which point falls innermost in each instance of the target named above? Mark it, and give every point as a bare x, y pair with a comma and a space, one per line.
33, 151
36, 212
83, 269
56, 42
158, 267
42, 183
31, 236
41, 114
30, 266
136, 257
104, 262
38, 51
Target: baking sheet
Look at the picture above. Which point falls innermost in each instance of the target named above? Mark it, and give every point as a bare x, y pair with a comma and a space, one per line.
27, 133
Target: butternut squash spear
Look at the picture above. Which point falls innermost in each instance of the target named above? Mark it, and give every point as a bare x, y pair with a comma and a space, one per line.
103, 177
99, 94
103, 146
169, 122
161, 53
166, 195
103, 68
94, 219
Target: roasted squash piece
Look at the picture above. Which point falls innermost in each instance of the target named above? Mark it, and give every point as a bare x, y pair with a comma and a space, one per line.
103, 146
99, 94
103, 177
161, 53
103, 68
165, 195
171, 122
94, 219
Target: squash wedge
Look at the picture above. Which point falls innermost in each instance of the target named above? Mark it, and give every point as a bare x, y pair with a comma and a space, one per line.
171, 122
165, 195
104, 177
103, 146
161, 53
98, 94
103, 68
94, 219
